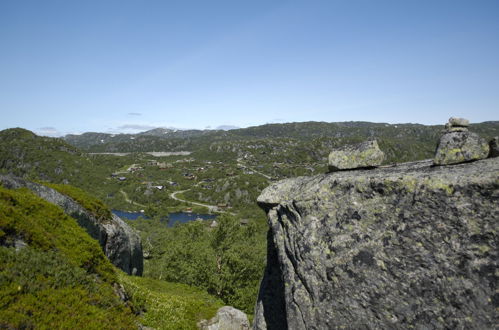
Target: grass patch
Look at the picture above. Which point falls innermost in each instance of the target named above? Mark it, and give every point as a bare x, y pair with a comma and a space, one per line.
168, 305
45, 290
92, 204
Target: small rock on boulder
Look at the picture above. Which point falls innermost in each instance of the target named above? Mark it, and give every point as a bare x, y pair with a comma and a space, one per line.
227, 318
494, 147
458, 145
364, 155
459, 122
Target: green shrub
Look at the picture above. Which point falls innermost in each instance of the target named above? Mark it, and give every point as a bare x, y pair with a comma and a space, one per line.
46, 227
227, 261
169, 305
43, 290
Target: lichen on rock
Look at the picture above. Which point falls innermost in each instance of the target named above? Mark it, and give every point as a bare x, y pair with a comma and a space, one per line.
227, 318
458, 145
410, 246
494, 147
363, 155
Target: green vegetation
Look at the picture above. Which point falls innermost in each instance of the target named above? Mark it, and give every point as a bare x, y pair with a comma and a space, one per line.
61, 279
169, 305
92, 204
226, 261
63, 271
45, 227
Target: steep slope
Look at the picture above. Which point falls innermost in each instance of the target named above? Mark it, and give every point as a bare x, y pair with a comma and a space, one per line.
118, 241
407, 246
52, 274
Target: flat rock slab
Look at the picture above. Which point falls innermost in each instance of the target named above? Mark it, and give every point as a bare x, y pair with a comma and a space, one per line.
362, 155
460, 147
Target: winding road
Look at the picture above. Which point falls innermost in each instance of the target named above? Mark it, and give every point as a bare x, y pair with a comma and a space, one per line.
212, 208
128, 200
243, 165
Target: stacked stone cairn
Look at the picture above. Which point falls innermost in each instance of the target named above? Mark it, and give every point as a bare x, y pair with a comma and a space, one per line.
359, 156
459, 145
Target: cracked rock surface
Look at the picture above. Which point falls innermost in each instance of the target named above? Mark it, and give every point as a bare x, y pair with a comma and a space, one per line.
410, 246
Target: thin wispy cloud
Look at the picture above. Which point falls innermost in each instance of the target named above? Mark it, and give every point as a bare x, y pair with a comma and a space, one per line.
136, 127
48, 131
134, 114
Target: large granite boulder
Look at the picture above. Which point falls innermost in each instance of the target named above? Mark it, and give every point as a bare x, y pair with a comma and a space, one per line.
458, 145
363, 155
411, 246
120, 243
227, 318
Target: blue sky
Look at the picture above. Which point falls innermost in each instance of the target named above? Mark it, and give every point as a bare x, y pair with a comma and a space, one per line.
127, 66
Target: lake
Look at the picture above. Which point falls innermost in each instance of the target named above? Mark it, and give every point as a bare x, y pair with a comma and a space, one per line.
181, 217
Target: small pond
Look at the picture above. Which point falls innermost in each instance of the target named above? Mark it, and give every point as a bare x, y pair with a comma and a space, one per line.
181, 217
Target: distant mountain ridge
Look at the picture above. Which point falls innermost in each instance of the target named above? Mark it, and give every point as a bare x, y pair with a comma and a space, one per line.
167, 139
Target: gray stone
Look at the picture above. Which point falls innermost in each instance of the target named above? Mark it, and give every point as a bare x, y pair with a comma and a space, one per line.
456, 129
459, 122
410, 246
494, 147
460, 147
227, 318
362, 155
120, 243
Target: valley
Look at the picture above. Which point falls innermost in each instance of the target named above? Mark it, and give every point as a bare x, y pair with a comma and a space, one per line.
219, 173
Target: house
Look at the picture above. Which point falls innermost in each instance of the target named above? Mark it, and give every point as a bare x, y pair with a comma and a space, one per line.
158, 187
152, 162
244, 222
222, 205
121, 178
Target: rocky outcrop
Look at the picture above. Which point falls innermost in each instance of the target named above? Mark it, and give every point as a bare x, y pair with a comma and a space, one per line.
119, 242
227, 318
409, 246
363, 155
458, 145
494, 147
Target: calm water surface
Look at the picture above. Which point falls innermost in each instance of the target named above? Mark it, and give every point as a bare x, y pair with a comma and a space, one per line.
181, 217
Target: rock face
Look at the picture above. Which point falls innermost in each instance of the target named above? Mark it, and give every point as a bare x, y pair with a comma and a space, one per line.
411, 246
227, 318
365, 154
458, 145
494, 147
119, 242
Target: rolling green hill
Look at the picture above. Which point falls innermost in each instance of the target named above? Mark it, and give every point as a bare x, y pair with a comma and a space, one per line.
313, 140
54, 275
